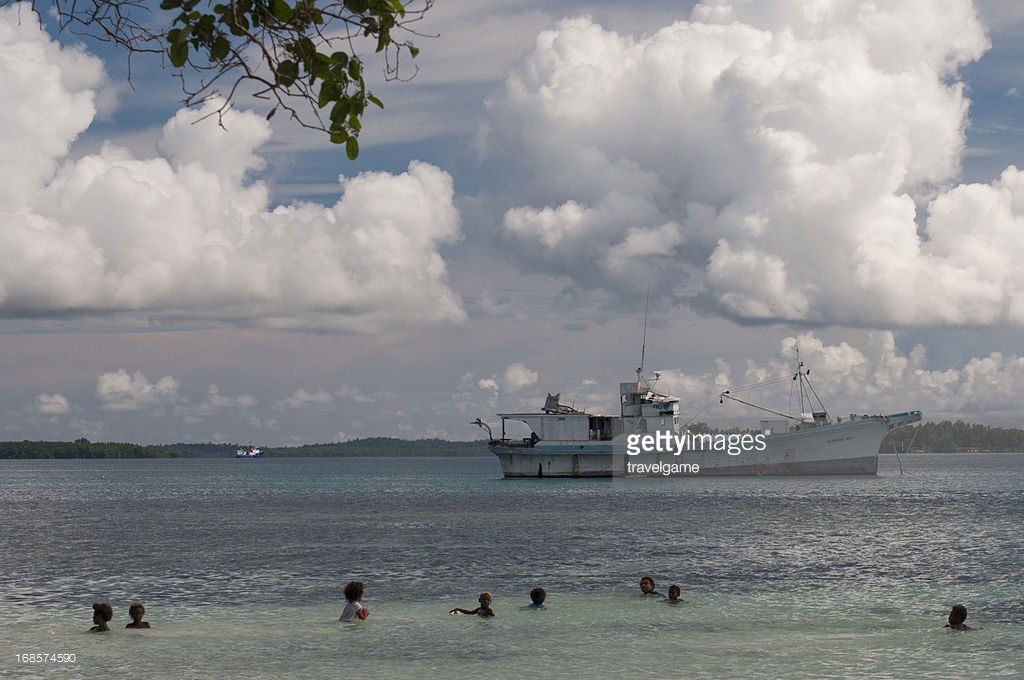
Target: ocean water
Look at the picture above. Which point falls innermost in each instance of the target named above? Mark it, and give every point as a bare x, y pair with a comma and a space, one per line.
242, 563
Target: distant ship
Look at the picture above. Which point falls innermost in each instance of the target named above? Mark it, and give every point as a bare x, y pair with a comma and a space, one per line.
249, 452
646, 439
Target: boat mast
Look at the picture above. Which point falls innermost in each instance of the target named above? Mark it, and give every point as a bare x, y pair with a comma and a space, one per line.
806, 391
799, 379
643, 343
803, 377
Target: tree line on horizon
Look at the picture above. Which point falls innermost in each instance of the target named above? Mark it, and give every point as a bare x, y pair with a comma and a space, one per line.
373, 446
80, 448
953, 437
942, 437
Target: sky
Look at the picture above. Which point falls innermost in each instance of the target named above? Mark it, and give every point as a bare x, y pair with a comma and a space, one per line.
838, 182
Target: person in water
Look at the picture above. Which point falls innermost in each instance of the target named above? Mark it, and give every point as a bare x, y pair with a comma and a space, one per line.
102, 613
537, 597
647, 587
136, 610
673, 595
354, 609
483, 610
957, 616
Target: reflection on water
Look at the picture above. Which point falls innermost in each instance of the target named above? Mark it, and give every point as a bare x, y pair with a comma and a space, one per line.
241, 566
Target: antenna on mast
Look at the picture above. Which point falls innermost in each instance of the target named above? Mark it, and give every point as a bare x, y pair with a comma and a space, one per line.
643, 345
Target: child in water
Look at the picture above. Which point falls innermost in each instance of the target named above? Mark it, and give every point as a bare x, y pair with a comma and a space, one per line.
136, 610
673, 595
101, 615
647, 587
483, 610
537, 597
354, 609
957, 616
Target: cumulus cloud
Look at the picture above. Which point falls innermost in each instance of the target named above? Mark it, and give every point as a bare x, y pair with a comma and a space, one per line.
355, 394
303, 398
188, 234
488, 384
518, 376
774, 160
215, 403
121, 391
52, 404
49, 98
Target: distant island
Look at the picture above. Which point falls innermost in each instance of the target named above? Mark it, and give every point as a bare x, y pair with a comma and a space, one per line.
369, 447
942, 437
373, 446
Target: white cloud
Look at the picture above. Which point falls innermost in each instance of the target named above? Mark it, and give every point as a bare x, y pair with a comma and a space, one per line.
52, 403
92, 430
303, 398
49, 98
518, 376
121, 391
215, 403
489, 384
188, 235
767, 161
355, 394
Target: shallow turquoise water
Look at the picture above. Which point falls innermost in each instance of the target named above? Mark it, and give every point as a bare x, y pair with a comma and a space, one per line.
241, 566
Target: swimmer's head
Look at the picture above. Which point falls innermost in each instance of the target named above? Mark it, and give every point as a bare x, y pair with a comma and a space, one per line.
102, 610
354, 591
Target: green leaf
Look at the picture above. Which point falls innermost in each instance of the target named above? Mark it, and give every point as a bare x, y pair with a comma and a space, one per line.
287, 73
352, 148
340, 110
379, 103
319, 66
220, 48
178, 54
281, 10
329, 92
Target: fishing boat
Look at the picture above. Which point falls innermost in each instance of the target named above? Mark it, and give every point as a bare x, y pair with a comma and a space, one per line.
647, 439
249, 452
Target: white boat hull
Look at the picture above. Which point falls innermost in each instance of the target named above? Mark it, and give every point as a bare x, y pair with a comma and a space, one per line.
849, 448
